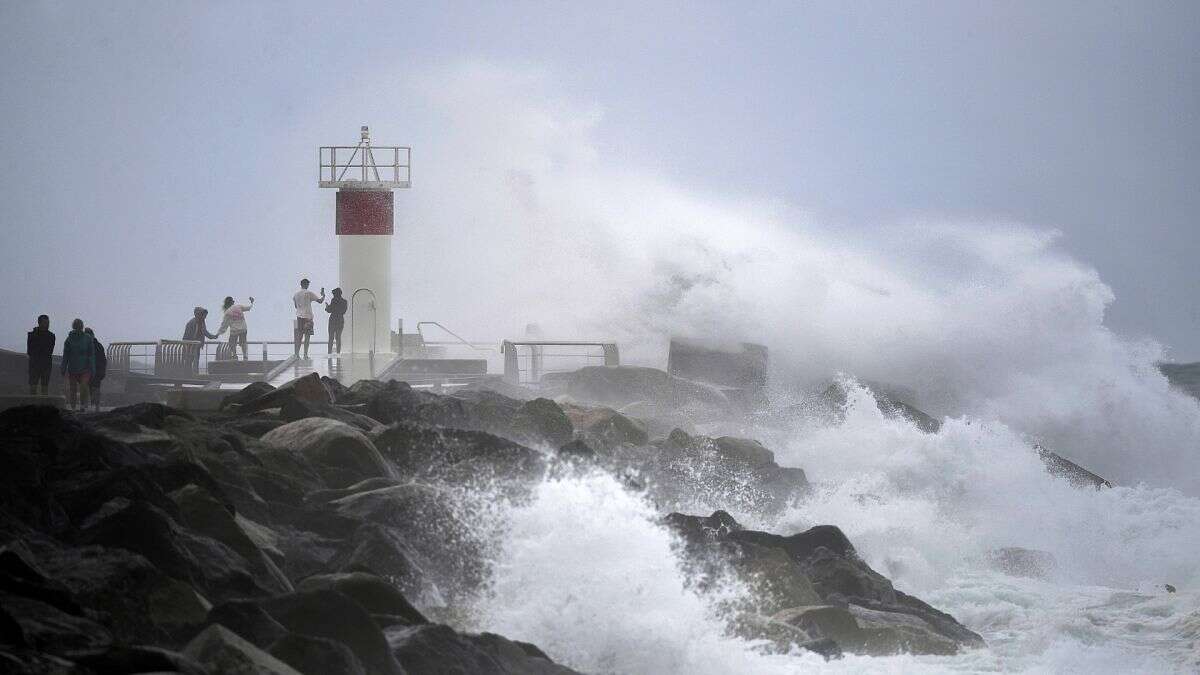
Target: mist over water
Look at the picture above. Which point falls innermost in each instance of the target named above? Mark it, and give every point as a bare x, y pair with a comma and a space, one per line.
989, 325
991, 320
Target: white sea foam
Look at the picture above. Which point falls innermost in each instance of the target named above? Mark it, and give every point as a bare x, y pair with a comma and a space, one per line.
991, 324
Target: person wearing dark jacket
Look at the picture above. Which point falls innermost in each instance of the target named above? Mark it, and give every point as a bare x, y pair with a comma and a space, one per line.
337, 320
197, 331
195, 328
101, 369
39, 345
78, 364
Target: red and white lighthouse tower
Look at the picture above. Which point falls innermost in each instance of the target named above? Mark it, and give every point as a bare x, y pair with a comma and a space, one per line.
365, 177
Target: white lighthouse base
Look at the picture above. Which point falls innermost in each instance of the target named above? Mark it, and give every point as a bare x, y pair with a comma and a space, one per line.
365, 262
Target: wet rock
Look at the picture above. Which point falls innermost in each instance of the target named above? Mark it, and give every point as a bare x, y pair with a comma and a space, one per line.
203, 514
341, 454
317, 497
435, 648
333, 616
430, 520
316, 655
542, 420
1022, 562
48, 628
385, 553
144, 529
361, 392
250, 392
832, 574
399, 402
822, 621
776, 580
455, 455
618, 386
128, 660
307, 389
248, 620
1057, 465
223, 651
296, 409
255, 427
685, 470
133, 599
373, 593
605, 427
886, 633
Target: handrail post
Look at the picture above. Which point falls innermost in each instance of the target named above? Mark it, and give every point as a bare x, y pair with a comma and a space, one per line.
512, 369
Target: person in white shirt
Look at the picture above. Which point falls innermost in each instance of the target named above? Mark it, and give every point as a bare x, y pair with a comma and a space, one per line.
234, 320
303, 300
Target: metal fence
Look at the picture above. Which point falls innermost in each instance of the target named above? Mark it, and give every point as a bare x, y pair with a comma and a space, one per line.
185, 358
527, 362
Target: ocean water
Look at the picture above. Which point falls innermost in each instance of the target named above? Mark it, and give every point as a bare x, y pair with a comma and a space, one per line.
993, 325
585, 571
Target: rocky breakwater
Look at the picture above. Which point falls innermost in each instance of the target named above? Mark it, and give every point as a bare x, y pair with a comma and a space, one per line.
316, 528
262, 540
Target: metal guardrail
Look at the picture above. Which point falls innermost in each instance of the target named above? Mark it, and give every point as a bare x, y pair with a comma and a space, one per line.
477, 346
359, 167
536, 356
186, 358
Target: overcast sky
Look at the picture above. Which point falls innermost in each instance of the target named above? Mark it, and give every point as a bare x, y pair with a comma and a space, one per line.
162, 155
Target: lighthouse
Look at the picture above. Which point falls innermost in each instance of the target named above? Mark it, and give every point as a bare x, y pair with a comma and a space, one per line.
365, 177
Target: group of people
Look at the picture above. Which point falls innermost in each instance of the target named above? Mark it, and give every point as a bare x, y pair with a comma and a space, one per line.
233, 319
84, 363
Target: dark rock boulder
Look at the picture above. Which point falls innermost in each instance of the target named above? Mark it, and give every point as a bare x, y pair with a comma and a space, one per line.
886, 621
249, 620
373, 593
204, 515
340, 453
308, 388
144, 529
399, 402
333, 616
433, 522
361, 392
310, 654
128, 660
250, 392
317, 497
296, 409
543, 420
605, 427
254, 426
1057, 465
385, 553
129, 596
224, 651
455, 455
434, 648
47, 628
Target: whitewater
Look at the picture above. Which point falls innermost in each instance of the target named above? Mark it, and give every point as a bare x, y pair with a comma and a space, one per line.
587, 572
989, 325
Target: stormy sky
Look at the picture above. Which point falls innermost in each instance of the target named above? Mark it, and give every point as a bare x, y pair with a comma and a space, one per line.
163, 155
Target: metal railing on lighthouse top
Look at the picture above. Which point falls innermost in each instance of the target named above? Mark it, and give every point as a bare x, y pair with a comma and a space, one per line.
365, 166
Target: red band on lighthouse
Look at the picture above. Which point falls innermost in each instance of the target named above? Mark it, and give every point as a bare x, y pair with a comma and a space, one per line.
364, 211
